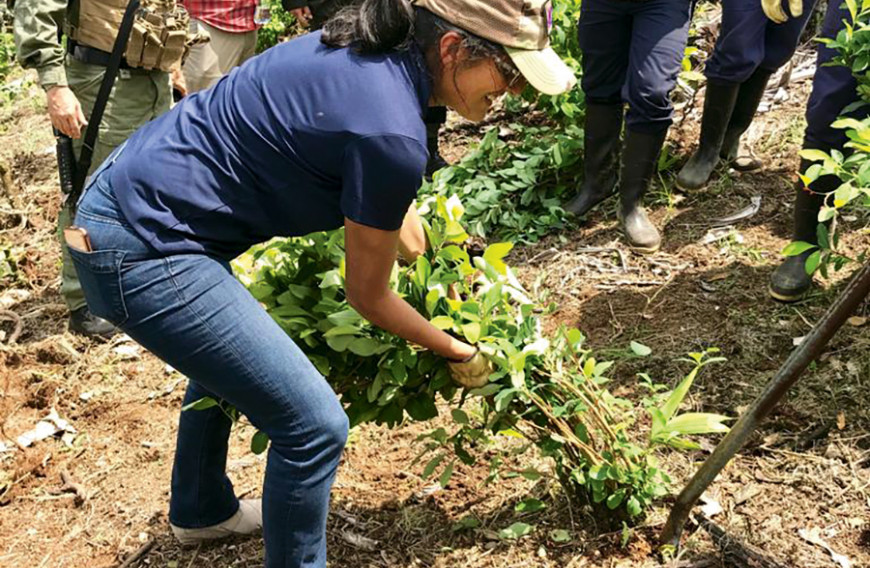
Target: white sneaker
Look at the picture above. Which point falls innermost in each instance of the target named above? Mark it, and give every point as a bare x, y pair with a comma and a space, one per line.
247, 520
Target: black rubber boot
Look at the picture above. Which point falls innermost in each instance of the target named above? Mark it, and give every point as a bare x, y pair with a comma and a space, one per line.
718, 106
790, 281
748, 98
639, 161
83, 322
601, 157
435, 119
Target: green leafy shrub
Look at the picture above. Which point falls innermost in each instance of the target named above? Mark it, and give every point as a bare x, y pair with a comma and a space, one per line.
549, 391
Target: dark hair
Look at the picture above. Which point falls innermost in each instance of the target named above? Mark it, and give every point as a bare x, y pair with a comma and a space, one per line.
381, 26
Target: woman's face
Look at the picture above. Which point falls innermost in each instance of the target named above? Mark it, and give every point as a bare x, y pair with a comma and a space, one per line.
470, 87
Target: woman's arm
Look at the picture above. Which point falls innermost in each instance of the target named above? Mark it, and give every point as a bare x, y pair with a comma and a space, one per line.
412, 236
369, 261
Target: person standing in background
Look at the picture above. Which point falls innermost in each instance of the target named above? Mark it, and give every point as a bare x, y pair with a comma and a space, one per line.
750, 49
71, 75
632, 53
232, 26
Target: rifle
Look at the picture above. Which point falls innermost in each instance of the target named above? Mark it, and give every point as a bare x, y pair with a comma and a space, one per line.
66, 161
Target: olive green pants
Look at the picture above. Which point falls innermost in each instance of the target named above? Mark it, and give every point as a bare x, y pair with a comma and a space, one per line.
137, 97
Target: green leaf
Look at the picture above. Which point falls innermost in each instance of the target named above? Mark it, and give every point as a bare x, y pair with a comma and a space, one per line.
340, 342
531, 474
797, 247
826, 214
259, 442
422, 408
261, 291
530, 506
813, 155
673, 403
697, 423
633, 506
442, 322
331, 279
201, 404
342, 330
560, 535
486, 390
433, 463
615, 500
348, 316
364, 346
459, 416
515, 531
494, 254
639, 349
471, 331
466, 523
813, 262
446, 474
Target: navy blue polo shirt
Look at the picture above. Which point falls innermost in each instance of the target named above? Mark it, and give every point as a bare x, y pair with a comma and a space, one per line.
291, 142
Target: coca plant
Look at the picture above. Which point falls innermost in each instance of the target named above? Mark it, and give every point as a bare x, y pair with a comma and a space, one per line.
548, 390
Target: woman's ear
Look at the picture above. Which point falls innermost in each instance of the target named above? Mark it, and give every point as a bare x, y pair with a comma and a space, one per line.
450, 50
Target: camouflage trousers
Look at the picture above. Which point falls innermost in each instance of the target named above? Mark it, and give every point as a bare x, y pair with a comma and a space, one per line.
137, 97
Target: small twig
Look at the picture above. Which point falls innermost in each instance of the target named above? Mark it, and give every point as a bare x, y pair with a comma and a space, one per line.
69, 486
143, 550
552, 251
734, 551
619, 283
195, 555
8, 315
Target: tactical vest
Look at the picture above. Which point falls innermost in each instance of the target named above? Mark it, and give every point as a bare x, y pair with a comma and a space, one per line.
160, 32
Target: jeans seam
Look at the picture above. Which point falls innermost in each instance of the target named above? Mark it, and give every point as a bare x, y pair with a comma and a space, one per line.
101, 219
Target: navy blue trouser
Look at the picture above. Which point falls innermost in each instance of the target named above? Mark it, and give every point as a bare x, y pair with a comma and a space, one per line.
748, 41
632, 53
834, 88
190, 311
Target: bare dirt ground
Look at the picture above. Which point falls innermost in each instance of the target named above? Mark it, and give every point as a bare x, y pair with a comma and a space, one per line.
98, 498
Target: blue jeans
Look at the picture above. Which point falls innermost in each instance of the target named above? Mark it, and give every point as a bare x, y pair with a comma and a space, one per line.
632, 52
190, 311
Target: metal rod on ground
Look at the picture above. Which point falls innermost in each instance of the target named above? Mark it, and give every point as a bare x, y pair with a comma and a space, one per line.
811, 347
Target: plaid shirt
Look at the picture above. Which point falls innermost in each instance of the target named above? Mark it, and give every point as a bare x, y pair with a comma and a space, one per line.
229, 15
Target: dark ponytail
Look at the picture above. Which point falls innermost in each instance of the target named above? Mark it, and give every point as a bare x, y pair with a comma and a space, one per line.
375, 26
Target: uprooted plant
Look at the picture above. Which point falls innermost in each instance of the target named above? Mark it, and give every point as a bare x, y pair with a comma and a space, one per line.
548, 390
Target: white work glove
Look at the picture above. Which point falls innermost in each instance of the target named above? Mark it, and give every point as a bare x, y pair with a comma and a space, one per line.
471, 373
773, 9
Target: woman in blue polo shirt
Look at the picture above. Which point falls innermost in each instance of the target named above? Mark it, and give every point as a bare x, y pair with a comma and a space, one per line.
321, 132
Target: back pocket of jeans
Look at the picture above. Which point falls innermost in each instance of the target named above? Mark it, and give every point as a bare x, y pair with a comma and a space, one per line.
100, 275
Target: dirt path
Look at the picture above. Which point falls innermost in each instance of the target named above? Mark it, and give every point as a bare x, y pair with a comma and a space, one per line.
806, 470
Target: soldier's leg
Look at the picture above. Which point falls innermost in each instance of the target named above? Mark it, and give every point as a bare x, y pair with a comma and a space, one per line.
661, 30
834, 88
738, 52
780, 42
604, 34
